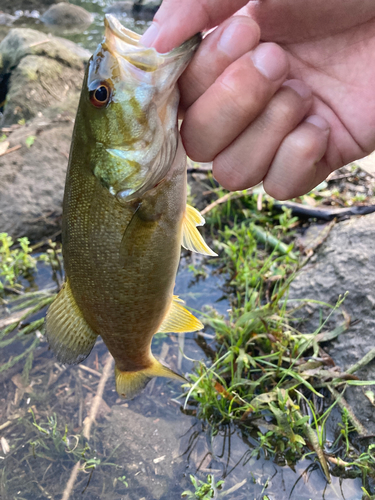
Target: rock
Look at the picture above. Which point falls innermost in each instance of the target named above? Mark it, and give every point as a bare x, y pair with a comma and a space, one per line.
11, 6
6, 19
66, 14
346, 262
120, 8
139, 9
32, 178
36, 71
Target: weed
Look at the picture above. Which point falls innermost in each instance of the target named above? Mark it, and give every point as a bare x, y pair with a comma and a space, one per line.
203, 490
14, 262
29, 141
266, 373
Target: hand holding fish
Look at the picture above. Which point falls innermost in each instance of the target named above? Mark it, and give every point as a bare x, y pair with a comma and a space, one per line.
288, 110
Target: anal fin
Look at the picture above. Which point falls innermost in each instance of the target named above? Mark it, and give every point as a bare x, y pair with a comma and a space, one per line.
179, 319
191, 237
69, 336
129, 384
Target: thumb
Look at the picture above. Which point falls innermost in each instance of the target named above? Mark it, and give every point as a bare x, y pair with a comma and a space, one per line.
178, 20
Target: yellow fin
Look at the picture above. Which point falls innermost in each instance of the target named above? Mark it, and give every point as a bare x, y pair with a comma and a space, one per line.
179, 319
129, 384
191, 237
69, 336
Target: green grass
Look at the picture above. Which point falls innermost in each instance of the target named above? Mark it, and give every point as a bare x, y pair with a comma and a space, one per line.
265, 373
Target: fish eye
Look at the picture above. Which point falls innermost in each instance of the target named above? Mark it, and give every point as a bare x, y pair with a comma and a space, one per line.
100, 95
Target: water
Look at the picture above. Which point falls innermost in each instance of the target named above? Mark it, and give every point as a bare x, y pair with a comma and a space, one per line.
141, 449
144, 449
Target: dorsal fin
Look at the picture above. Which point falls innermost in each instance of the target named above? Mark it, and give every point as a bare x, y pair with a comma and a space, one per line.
191, 237
178, 319
69, 336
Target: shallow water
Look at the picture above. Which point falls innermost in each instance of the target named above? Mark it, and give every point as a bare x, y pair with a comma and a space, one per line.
144, 449
151, 440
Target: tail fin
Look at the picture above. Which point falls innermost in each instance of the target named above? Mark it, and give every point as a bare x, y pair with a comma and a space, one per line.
129, 384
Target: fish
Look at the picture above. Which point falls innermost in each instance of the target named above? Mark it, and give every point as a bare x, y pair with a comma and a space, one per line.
125, 214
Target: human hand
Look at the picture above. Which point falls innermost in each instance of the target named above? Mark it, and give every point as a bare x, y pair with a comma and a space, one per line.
286, 114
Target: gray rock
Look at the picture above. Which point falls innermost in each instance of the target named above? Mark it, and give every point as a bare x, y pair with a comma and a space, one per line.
32, 178
11, 6
139, 9
66, 14
120, 8
37, 70
6, 19
346, 263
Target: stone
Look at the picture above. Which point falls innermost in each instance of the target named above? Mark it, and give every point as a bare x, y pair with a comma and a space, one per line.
6, 19
66, 14
12, 6
345, 263
140, 10
32, 178
36, 71
120, 8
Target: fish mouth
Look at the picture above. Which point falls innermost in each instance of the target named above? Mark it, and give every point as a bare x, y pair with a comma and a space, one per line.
124, 43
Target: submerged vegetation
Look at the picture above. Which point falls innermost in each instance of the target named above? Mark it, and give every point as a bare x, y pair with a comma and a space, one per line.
263, 372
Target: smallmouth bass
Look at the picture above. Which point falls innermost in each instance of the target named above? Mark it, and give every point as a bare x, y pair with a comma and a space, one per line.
124, 212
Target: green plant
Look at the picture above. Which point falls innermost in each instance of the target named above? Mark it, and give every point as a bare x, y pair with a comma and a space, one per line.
29, 141
203, 490
14, 262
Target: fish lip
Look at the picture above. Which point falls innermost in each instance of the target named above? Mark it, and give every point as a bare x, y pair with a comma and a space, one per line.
113, 27
126, 35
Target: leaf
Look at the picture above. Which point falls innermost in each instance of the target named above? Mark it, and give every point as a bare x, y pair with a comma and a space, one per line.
299, 439
371, 397
29, 141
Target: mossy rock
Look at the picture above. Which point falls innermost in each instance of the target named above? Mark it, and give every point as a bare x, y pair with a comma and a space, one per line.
35, 84
21, 42
37, 70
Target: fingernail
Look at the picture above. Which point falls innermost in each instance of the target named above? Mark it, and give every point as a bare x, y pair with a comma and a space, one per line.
270, 60
150, 35
230, 40
301, 88
318, 121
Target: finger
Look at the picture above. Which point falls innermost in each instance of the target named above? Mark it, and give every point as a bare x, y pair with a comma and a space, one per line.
299, 165
236, 98
231, 40
245, 162
178, 20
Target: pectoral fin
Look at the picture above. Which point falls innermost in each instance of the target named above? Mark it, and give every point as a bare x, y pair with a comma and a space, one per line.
69, 336
129, 384
179, 319
191, 237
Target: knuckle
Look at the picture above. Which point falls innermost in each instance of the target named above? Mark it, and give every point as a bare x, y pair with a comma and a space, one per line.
234, 175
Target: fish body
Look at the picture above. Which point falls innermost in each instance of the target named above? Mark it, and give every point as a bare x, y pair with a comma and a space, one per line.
124, 212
